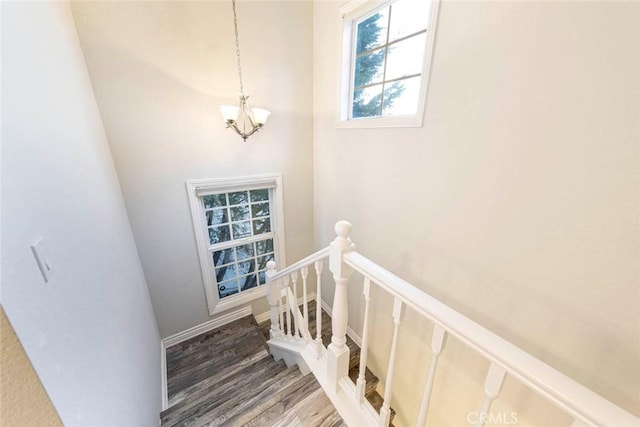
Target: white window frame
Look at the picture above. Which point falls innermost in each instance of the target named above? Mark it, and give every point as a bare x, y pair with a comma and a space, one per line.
349, 14
196, 189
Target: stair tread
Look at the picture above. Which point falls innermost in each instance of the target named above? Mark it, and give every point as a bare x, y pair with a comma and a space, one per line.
211, 415
218, 377
209, 353
214, 394
315, 410
262, 412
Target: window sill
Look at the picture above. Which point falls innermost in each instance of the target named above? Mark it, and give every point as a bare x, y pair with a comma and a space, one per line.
381, 122
239, 299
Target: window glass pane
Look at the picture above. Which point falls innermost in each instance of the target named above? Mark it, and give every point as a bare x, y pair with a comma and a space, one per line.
227, 288
408, 17
366, 102
246, 267
214, 200
406, 57
259, 195
261, 226
404, 95
224, 256
244, 251
238, 213
248, 282
372, 32
227, 272
369, 68
260, 209
238, 198
241, 229
263, 260
264, 246
217, 216
262, 278
219, 234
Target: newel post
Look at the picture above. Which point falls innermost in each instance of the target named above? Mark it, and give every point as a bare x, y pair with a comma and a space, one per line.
273, 297
338, 352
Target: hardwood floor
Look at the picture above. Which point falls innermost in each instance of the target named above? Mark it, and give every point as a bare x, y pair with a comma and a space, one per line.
227, 377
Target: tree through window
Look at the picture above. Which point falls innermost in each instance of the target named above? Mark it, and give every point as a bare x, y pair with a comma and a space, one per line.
387, 59
241, 238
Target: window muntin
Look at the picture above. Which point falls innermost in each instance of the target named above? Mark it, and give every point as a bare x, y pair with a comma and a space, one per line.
251, 208
240, 232
386, 53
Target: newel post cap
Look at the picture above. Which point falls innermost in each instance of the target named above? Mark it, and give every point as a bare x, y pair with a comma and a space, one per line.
271, 269
343, 229
341, 244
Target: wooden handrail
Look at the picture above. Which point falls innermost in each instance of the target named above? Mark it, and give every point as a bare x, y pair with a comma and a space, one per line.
317, 256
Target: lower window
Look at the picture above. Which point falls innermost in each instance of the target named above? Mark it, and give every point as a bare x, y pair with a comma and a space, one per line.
238, 229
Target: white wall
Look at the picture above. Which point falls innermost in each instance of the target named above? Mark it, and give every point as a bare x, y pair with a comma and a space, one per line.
90, 333
515, 203
160, 70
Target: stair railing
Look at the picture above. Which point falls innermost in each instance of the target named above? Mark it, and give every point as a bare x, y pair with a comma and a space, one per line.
585, 407
284, 285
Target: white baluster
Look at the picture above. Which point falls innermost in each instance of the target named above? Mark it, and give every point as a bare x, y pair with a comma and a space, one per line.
304, 272
361, 383
437, 344
273, 296
318, 266
398, 316
338, 352
287, 301
294, 285
280, 310
492, 386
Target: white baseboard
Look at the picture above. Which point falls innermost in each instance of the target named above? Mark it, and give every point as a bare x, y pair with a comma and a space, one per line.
163, 375
206, 326
263, 317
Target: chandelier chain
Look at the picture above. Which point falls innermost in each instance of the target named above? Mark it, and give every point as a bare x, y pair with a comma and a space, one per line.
235, 25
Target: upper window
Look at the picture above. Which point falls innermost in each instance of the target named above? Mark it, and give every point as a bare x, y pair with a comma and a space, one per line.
237, 224
387, 50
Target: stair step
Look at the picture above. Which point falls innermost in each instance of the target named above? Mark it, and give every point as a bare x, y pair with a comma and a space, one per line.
377, 401
218, 377
315, 410
217, 393
196, 359
234, 402
269, 408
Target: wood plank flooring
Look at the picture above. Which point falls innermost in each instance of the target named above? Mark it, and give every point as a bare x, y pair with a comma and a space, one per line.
227, 377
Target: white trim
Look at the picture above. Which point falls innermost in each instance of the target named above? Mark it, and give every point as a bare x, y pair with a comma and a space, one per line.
348, 14
239, 299
163, 376
263, 317
195, 189
206, 326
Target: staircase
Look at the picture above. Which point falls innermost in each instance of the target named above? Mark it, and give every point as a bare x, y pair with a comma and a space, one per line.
372, 396
227, 377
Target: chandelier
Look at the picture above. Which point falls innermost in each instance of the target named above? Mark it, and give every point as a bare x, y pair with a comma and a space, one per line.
245, 121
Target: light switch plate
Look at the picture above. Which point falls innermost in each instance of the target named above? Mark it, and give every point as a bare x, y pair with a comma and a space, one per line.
42, 258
